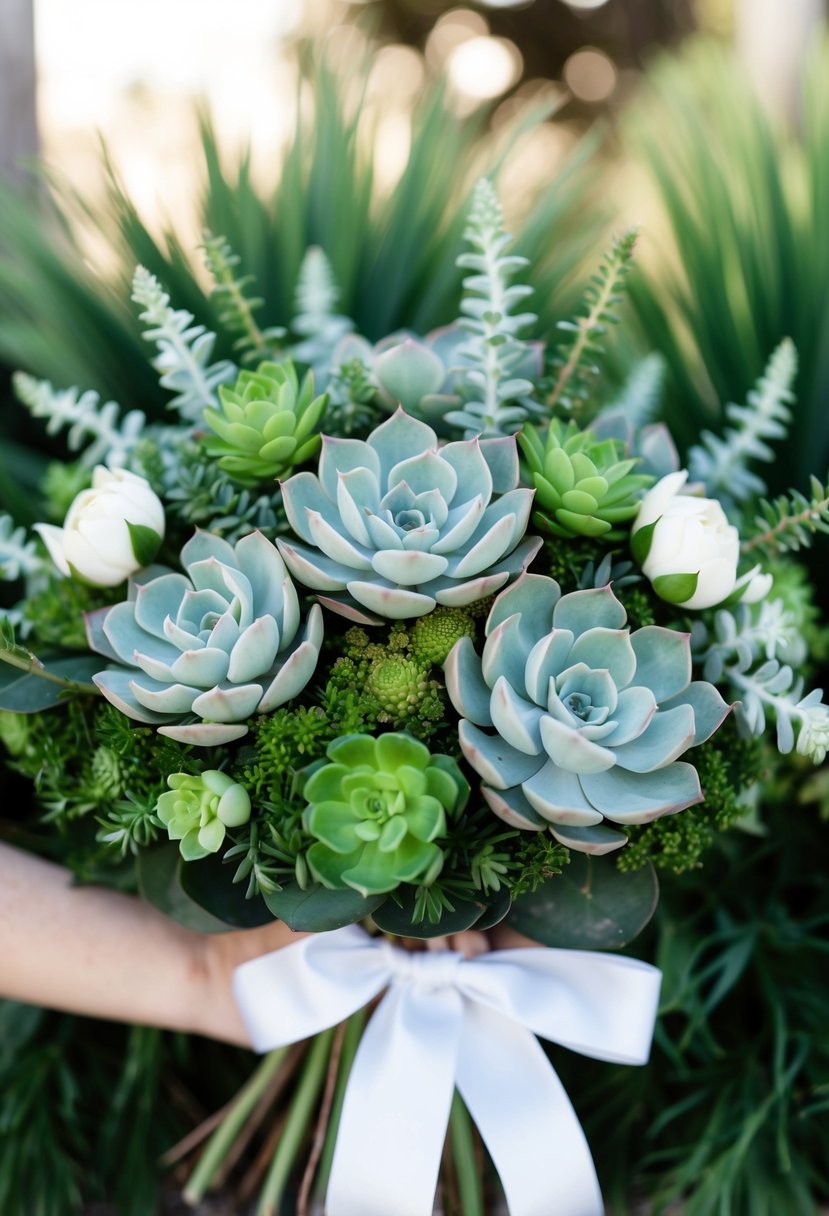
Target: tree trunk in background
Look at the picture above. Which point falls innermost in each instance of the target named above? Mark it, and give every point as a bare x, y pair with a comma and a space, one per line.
774, 38
18, 120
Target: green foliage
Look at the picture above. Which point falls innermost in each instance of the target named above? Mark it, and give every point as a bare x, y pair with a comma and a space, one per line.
728, 765
745, 198
721, 462
95, 429
392, 251
202, 496
497, 396
236, 309
184, 349
730, 1116
433, 636
574, 364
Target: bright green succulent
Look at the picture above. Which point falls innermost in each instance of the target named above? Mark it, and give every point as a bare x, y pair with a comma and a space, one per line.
377, 812
584, 486
399, 684
268, 423
199, 653
433, 636
395, 525
197, 811
589, 718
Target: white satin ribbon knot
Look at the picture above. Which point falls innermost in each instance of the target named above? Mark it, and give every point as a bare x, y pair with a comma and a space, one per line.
448, 1022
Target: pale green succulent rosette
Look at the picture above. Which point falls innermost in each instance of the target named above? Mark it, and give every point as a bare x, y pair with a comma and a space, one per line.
267, 423
377, 810
589, 718
198, 810
395, 524
204, 651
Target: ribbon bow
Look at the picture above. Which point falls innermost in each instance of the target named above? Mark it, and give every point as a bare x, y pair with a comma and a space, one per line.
448, 1022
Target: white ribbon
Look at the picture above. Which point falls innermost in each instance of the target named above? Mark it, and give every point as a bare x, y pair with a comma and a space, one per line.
446, 1021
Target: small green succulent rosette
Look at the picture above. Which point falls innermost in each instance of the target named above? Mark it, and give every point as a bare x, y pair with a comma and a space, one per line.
377, 811
584, 486
395, 524
201, 652
197, 810
572, 719
267, 423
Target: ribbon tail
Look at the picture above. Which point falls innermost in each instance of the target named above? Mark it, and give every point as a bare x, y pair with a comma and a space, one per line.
525, 1118
396, 1106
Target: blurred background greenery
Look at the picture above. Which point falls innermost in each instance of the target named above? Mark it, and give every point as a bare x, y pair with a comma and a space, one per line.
361, 127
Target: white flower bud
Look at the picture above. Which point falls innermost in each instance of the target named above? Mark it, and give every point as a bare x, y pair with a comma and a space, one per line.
685, 545
110, 530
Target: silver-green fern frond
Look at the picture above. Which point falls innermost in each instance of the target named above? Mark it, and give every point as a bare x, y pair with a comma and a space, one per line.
17, 554
184, 349
721, 461
96, 428
497, 397
317, 321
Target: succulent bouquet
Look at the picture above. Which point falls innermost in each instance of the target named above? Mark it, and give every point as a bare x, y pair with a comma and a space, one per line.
430, 634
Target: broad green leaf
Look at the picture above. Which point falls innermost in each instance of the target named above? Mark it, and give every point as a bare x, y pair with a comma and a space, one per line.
208, 883
592, 905
27, 693
398, 917
319, 909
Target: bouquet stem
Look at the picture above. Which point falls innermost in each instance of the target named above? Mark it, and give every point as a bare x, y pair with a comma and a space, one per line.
222, 1140
466, 1163
296, 1124
351, 1038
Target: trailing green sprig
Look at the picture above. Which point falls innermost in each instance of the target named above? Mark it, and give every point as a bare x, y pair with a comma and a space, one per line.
184, 349
17, 554
792, 521
93, 427
575, 362
721, 462
497, 396
236, 307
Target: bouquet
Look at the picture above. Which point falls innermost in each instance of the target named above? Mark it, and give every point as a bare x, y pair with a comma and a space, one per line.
430, 635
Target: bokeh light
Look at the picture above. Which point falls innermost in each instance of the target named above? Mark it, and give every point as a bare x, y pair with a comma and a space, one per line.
585, 4
590, 75
457, 26
482, 68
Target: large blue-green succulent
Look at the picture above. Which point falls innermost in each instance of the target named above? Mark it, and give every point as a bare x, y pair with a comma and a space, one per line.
395, 524
199, 653
572, 719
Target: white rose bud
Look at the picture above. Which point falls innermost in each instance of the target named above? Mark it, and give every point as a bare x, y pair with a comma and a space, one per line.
685, 545
110, 531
